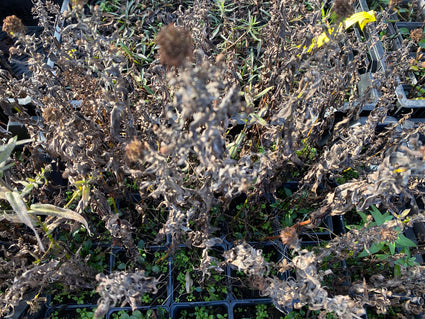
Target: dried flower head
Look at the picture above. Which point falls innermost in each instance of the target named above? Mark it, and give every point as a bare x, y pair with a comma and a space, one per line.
175, 45
78, 3
417, 34
389, 235
289, 237
12, 25
342, 8
50, 114
394, 3
133, 150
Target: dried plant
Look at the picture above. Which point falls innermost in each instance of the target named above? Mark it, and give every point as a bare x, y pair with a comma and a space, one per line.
342, 8
175, 45
122, 286
306, 289
246, 108
12, 25
247, 259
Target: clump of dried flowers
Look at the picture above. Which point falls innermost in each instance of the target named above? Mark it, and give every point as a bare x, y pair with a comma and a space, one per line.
417, 34
342, 8
175, 45
13, 26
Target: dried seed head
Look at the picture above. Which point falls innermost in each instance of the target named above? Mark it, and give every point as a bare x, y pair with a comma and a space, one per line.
289, 237
50, 114
394, 3
175, 45
78, 3
417, 34
342, 8
12, 25
133, 150
389, 235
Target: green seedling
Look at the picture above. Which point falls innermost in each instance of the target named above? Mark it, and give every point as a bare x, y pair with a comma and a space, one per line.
385, 250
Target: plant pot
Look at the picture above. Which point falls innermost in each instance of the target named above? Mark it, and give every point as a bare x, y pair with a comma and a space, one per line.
147, 222
409, 92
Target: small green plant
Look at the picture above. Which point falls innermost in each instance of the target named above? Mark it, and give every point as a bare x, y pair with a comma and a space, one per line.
261, 311
396, 243
110, 5
201, 313
192, 285
20, 212
347, 175
305, 313
122, 314
137, 314
82, 313
85, 313
61, 296
307, 152
416, 35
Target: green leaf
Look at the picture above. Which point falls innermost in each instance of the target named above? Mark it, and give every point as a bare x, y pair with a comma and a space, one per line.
262, 93
397, 270
148, 89
378, 217
52, 210
421, 43
403, 241
288, 192
376, 247
363, 216
233, 148
382, 256
404, 31
6, 149
19, 207
258, 119
392, 248
407, 261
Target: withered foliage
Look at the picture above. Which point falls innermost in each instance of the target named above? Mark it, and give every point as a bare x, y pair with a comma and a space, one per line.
175, 45
222, 107
122, 286
12, 25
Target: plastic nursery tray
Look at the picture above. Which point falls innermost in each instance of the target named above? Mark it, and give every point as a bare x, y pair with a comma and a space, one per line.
406, 104
168, 307
372, 64
403, 89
